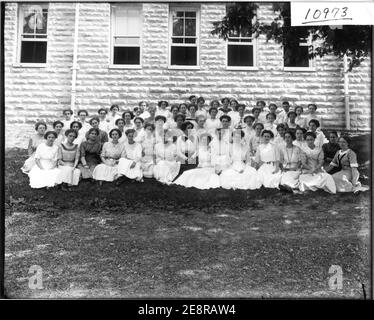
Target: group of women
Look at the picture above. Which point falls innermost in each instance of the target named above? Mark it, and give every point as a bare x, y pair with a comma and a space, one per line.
223, 145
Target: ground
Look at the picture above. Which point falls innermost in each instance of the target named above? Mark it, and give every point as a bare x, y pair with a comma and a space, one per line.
151, 240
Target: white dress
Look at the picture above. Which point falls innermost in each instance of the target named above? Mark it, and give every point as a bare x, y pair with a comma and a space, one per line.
239, 175
139, 135
163, 112
272, 127
268, 154
212, 124
220, 154
108, 171
301, 144
318, 180
104, 125
131, 153
147, 163
112, 120
202, 177
30, 162
48, 177
67, 124
290, 158
166, 168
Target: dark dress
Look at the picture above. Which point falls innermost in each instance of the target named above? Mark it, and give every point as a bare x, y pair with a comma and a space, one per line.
329, 151
102, 137
91, 151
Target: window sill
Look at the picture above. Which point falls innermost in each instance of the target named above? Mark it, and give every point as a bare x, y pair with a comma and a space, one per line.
299, 69
184, 67
29, 65
242, 68
124, 66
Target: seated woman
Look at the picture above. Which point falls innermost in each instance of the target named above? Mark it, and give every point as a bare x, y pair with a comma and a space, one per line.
248, 129
77, 126
267, 159
187, 148
90, 153
313, 177
167, 167
270, 123
162, 111
279, 140
104, 123
320, 137
345, 160
291, 122
82, 116
191, 115
152, 115
300, 120
183, 109
34, 142
171, 122
160, 128
45, 172
179, 120
204, 176
200, 127
148, 150
120, 125
102, 136
290, 162
111, 152
57, 127
220, 151
240, 175
300, 141
330, 149
256, 139
68, 159
129, 165
128, 116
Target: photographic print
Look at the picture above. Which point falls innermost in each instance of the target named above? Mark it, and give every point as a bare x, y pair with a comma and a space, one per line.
187, 150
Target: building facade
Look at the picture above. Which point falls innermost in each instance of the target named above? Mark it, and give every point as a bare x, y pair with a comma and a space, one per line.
127, 52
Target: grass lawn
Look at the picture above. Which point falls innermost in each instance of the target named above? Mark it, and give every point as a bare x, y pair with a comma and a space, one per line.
151, 240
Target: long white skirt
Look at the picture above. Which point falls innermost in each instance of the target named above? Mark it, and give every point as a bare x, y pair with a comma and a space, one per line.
125, 170
317, 181
201, 178
43, 178
69, 175
232, 178
166, 171
147, 168
103, 172
290, 179
266, 176
29, 164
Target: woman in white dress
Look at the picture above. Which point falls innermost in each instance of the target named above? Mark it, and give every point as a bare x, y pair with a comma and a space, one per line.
162, 111
171, 122
300, 141
256, 139
57, 127
128, 116
183, 109
248, 127
111, 152
240, 175
82, 116
179, 120
201, 107
187, 148
77, 126
200, 128
68, 119
139, 130
267, 159
291, 120
279, 140
167, 167
220, 151
34, 142
104, 124
313, 177
270, 123
312, 108
320, 137
129, 165
191, 115
237, 118
120, 125
204, 176
113, 116
159, 128
212, 123
290, 162
300, 120
103, 135
45, 172
68, 159
148, 151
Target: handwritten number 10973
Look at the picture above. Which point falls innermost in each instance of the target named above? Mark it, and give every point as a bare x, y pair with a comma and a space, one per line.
326, 14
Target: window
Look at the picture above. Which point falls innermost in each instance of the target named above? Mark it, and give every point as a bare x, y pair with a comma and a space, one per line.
126, 35
32, 47
184, 43
241, 49
297, 57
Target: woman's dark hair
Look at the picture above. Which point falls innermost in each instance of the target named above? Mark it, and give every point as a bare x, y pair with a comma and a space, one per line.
225, 99
208, 135
174, 106
273, 105
291, 133
115, 129
151, 125
258, 124
67, 110
180, 115
85, 111
285, 103
118, 120
315, 121
114, 106
162, 101
282, 125
94, 118
191, 97
269, 132
271, 113
334, 132
146, 103
240, 106
312, 105
225, 116
249, 116
56, 123
234, 100
310, 134
212, 108
49, 133
346, 138
41, 123
262, 102
191, 105
255, 108
128, 131
183, 104
92, 130
74, 122
200, 99
185, 124
291, 112
299, 107
159, 117
68, 131
139, 118
301, 129
213, 102
129, 112
102, 109
242, 133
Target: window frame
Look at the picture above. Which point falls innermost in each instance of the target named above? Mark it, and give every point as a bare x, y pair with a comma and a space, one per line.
304, 42
112, 18
190, 8
19, 26
253, 43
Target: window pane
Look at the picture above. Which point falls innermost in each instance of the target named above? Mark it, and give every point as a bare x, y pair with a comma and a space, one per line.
126, 55
126, 41
184, 56
127, 22
178, 40
178, 27
190, 14
33, 52
190, 40
240, 56
298, 57
35, 19
190, 27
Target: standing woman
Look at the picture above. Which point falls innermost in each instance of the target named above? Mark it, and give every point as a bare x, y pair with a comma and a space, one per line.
200, 128
128, 116
171, 124
167, 167
270, 124
225, 107
130, 163
291, 122
179, 119
345, 160
113, 116
187, 148
45, 172
57, 127
77, 126
300, 120
201, 107
104, 121
68, 118
111, 152
191, 116
82, 116
162, 111
248, 127
152, 115
313, 177
330, 149
312, 108
90, 153
256, 139
300, 142
139, 130
267, 159
148, 150
320, 137
159, 128
279, 139
212, 123
34, 142
68, 159
102, 136
183, 109
120, 125
290, 162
